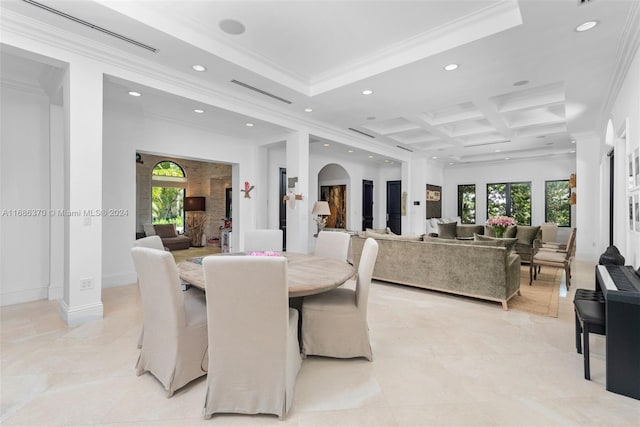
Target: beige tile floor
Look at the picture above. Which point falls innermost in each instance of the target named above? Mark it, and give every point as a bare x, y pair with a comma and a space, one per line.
438, 360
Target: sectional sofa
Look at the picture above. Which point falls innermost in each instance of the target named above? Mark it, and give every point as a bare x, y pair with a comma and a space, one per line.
479, 269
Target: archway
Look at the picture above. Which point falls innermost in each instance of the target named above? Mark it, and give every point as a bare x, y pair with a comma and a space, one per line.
333, 187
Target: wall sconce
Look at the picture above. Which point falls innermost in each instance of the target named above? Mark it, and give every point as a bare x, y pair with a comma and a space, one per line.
321, 209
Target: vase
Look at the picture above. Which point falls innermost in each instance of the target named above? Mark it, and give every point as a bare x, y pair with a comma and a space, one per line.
500, 229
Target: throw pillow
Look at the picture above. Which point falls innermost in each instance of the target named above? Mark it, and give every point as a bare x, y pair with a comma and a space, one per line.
447, 230
166, 230
527, 234
508, 242
149, 230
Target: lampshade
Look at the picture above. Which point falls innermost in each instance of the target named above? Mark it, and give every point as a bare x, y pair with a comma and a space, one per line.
192, 204
321, 208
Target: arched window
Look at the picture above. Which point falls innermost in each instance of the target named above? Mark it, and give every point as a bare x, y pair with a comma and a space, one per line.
168, 182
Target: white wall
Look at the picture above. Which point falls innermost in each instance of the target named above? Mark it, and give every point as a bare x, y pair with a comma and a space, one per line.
627, 106
126, 132
24, 195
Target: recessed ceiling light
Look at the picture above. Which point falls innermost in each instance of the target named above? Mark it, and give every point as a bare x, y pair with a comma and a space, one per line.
586, 26
325, 145
367, 92
231, 26
451, 67
507, 158
134, 93
350, 151
393, 163
573, 141
249, 125
572, 151
451, 163
386, 160
308, 110
521, 83
371, 157
434, 157
199, 67
199, 111
498, 150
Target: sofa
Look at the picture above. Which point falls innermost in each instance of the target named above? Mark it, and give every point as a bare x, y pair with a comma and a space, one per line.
169, 236
477, 269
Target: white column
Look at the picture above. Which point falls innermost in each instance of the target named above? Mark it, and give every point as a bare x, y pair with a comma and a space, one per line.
588, 215
57, 192
298, 234
83, 194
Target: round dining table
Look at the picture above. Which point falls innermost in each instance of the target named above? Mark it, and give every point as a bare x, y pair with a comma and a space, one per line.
306, 274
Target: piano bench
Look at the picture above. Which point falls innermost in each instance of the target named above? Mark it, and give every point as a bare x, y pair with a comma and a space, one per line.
590, 318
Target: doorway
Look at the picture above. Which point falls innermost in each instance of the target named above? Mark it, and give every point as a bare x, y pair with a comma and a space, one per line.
282, 212
394, 206
367, 204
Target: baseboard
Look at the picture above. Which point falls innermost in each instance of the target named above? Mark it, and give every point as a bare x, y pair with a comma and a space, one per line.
18, 297
119, 280
82, 314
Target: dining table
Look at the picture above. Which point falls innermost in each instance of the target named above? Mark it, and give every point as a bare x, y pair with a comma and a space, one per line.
307, 274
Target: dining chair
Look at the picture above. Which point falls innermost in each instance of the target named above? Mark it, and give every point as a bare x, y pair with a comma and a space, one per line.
151, 242
333, 244
174, 344
549, 231
553, 258
334, 323
254, 356
263, 240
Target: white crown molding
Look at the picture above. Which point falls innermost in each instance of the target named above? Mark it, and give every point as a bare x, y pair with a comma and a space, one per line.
22, 86
628, 47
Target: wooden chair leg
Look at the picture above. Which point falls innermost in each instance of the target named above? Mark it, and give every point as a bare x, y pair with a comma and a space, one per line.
567, 273
530, 272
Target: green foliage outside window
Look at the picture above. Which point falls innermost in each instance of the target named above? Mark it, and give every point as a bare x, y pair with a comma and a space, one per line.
467, 203
556, 202
510, 199
167, 199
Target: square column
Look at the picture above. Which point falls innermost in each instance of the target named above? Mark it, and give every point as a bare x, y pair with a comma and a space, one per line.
298, 226
83, 210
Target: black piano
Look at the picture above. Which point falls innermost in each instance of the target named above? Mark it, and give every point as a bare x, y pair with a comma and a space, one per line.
621, 288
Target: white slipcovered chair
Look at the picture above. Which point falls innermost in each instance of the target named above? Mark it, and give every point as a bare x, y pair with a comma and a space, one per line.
554, 258
549, 232
333, 244
254, 356
151, 242
263, 240
174, 344
334, 323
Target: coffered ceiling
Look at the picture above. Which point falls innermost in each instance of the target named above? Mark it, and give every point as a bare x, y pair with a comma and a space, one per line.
526, 81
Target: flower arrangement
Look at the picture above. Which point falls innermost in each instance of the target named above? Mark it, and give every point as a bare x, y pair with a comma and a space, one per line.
500, 223
265, 253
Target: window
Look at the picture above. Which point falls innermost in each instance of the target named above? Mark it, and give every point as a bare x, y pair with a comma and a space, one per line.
467, 203
167, 194
511, 199
556, 202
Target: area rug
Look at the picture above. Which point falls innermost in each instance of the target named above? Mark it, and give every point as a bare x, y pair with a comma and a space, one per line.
183, 254
542, 296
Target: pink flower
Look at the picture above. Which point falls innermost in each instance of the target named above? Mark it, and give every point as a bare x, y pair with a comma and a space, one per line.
266, 253
501, 221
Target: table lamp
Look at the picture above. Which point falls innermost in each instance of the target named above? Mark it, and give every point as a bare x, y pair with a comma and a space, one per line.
321, 209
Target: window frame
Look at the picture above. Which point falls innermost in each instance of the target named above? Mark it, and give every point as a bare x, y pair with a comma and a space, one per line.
546, 210
508, 203
461, 203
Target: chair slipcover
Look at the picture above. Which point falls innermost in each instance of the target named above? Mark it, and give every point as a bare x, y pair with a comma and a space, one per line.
333, 244
334, 323
549, 232
152, 242
254, 355
174, 345
558, 258
263, 240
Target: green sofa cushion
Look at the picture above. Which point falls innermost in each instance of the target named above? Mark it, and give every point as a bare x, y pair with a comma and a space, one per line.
447, 230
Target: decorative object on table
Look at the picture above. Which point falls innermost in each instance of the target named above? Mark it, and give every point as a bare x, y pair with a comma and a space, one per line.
321, 209
500, 224
247, 189
196, 218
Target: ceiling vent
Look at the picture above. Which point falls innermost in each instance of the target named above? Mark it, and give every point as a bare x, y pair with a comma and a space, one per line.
260, 91
361, 133
92, 26
404, 148
581, 2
